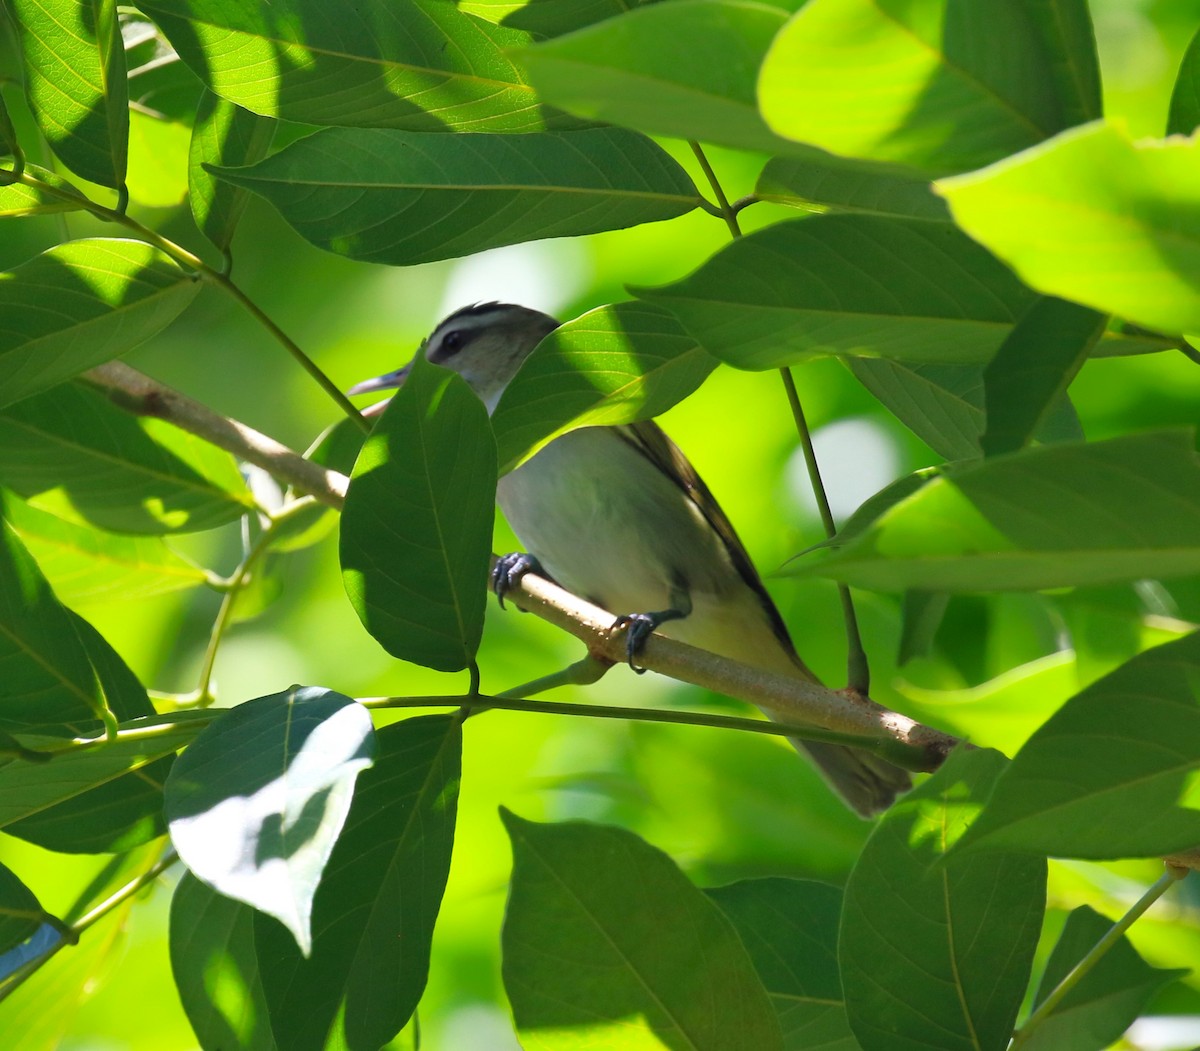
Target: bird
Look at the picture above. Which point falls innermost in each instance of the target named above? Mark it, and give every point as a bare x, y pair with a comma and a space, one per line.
618, 515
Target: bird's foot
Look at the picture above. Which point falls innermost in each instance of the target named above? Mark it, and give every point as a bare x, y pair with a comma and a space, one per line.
639, 627
509, 569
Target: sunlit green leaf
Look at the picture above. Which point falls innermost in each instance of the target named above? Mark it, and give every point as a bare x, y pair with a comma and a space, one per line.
402, 197
585, 960
631, 70
1033, 368
1094, 217
848, 284
374, 912
1107, 999
1112, 773
548, 18
258, 800
790, 930
229, 135
615, 364
417, 528
75, 80
936, 84
423, 65
51, 194
936, 951
80, 304
1057, 516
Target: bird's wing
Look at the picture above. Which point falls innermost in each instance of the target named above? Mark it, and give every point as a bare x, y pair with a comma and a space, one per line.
649, 440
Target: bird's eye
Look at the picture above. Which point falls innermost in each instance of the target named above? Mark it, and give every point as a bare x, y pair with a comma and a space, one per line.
452, 343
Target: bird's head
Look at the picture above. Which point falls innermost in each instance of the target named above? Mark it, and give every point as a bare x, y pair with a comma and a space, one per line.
485, 344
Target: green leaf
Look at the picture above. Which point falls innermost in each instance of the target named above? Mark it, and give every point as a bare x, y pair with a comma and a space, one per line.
51, 193
9, 146
258, 800
402, 197
124, 473
548, 18
119, 813
615, 364
1107, 1000
790, 930
85, 566
75, 81
936, 950
815, 181
216, 970
416, 531
80, 304
48, 679
1184, 114
1033, 368
847, 284
374, 912
21, 915
422, 66
1094, 217
937, 85
921, 616
631, 70
223, 134
33, 788
585, 960
1057, 516
1112, 773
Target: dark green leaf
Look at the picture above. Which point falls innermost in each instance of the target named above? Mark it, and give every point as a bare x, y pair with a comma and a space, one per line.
80, 304
946, 85
51, 194
75, 80
125, 473
1033, 368
402, 197
224, 134
85, 565
423, 65
550, 18
32, 788
216, 970
848, 284
1056, 516
790, 930
585, 960
416, 532
632, 71
615, 364
48, 680
936, 951
374, 912
1112, 773
9, 147
120, 813
1093, 217
816, 181
1107, 1000
21, 915
921, 614
1184, 114
258, 800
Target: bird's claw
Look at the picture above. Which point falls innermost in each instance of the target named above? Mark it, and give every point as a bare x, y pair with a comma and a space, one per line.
639, 627
509, 569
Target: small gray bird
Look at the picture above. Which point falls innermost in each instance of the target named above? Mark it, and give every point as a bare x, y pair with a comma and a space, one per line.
617, 515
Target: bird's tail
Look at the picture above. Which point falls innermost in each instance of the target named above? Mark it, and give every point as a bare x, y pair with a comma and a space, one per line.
869, 784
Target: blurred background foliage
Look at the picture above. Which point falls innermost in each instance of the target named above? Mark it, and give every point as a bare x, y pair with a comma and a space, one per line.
724, 805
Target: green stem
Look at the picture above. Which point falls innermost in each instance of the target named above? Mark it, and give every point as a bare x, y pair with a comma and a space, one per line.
1094, 955
858, 670
216, 277
204, 696
728, 212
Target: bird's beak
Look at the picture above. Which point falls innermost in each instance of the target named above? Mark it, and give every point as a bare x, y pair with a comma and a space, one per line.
388, 381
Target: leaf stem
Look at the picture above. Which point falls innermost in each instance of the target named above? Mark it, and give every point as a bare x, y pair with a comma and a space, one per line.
858, 669
216, 277
1047, 1007
728, 212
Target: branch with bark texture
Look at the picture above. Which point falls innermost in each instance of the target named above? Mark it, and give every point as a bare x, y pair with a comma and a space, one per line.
904, 740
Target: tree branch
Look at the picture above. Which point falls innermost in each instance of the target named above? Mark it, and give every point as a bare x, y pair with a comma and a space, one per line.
915, 746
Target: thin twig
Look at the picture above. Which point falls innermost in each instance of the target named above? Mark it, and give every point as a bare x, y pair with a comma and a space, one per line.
728, 212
